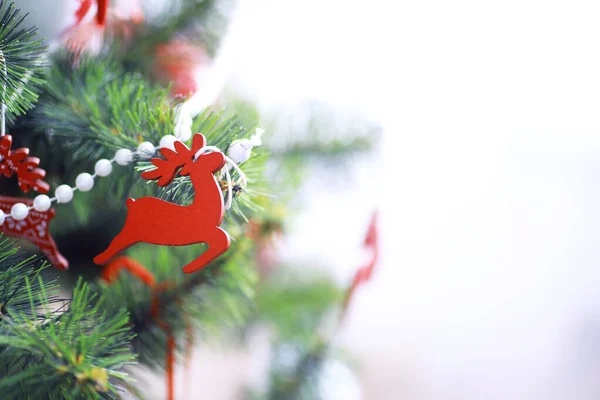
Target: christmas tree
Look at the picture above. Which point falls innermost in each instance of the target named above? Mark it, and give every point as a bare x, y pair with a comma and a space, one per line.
146, 223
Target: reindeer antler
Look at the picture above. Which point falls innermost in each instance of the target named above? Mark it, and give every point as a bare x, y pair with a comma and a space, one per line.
167, 169
17, 162
30, 176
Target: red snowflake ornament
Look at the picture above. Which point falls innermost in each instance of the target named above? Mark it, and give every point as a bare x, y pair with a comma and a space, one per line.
155, 221
17, 162
34, 228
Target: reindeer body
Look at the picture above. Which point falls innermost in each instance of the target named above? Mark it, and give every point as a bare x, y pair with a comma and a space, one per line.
155, 221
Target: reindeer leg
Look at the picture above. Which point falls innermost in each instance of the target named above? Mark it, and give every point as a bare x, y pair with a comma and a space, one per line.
48, 246
219, 243
118, 244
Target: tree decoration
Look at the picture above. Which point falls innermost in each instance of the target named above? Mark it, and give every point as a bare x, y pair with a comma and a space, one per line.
241, 150
111, 272
87, 36
178, 62
29, 219
363, 274
155, 221
17, 162
33, 226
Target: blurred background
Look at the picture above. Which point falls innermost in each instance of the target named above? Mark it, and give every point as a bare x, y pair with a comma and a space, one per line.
483, 169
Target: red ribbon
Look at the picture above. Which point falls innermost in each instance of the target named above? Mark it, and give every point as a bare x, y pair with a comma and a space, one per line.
363, 274
111, 272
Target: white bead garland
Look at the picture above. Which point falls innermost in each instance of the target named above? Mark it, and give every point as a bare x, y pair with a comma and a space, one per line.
84, 182
168, 141
19, 211
103, 167
241, 150
123, 157
64, 194
238, 152
42, 203
146, 150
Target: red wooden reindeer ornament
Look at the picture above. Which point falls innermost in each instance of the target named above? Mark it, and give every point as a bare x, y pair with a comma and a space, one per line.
152, 220
33, 228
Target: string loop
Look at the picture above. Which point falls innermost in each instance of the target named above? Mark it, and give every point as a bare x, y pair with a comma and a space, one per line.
244, 180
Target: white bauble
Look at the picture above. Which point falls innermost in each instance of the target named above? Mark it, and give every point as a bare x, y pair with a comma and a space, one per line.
64, 194
19, 211
41, 203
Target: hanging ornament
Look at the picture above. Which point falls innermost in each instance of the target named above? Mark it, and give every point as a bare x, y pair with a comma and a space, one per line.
155, 221
240, 150
363, 274
182, 64
111, 273
86, 35
29, 219
17, 162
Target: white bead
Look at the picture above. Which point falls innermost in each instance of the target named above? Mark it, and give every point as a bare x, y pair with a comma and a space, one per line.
240, 151
41, 203
64, 193
124, 156
19, 211
146, 150
2, 217
84, 182
103, 167
168, 141
183, 132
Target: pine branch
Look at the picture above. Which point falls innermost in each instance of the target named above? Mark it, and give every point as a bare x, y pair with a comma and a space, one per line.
213, 299
198, 20
14, 269
329, 150
75, 352
299, 383
295, 305
99, 108
21, 61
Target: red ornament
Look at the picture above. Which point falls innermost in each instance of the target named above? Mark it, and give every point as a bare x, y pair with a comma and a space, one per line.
179, 63
34, 228
152, 220
17, 162
88, 35
364, 273
111, 272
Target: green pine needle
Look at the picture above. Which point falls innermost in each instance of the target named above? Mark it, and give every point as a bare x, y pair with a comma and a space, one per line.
14, 269
78, 352
21, 61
